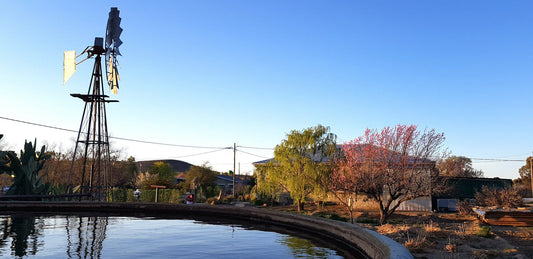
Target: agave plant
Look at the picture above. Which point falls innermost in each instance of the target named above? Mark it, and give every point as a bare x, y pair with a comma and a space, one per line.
25, 170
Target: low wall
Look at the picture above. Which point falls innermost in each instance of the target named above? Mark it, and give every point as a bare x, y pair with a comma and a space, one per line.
348, 235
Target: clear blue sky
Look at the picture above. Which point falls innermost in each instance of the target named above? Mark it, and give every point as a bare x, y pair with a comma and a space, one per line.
214, 73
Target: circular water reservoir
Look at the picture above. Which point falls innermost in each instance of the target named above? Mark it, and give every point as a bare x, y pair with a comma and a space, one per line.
31, 236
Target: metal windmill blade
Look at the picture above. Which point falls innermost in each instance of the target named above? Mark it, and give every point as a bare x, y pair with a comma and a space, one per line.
112, 44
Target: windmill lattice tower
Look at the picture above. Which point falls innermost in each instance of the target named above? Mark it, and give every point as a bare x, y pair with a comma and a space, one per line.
92, 143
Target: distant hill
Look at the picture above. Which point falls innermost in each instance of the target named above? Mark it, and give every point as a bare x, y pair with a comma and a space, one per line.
177, 165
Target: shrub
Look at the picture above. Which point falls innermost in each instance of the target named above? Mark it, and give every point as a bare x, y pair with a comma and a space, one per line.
451, 246
416, 244
485, 231
464, 207
509, 197
432, 227
118, 195
212, 191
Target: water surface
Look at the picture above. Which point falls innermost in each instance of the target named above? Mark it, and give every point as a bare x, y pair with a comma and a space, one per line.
130, 237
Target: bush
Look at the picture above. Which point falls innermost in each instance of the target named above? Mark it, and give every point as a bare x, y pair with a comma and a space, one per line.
147, 195
509, 197
417, 244
212, 191
118, 195
485, 231
464, 207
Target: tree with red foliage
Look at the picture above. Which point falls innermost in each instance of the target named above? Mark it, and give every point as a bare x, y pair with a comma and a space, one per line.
389, 166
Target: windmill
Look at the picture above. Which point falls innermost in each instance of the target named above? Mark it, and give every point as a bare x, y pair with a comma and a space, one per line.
93, 135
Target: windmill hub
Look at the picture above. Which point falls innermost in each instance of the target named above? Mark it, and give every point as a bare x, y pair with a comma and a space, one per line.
98, 48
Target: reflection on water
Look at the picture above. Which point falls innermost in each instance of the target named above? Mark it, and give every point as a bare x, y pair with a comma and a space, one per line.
125, 237
85, 236
299, 246
24, 233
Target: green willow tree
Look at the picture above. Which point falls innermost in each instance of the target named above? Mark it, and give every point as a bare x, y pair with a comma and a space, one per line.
302, 163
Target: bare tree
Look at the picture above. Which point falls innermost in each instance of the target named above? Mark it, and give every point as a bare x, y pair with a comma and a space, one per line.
389, 166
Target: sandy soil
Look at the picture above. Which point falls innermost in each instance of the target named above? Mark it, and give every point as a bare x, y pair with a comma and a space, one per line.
439, 235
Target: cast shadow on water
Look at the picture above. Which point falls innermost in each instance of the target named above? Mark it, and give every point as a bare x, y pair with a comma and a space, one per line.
83, 237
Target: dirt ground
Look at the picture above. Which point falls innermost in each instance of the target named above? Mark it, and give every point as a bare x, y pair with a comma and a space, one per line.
439, 235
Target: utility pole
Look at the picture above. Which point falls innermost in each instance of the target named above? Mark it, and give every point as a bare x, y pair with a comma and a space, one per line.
234, 159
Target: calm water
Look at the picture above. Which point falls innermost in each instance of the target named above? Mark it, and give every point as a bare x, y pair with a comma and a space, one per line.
129, 237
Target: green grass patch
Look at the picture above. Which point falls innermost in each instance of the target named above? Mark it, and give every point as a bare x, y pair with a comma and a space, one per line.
485, 231
365, 220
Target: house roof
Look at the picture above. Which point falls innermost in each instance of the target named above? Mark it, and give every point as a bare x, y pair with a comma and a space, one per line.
230, 179
320, 158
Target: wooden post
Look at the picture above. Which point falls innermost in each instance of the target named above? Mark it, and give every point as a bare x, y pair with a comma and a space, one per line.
157, 187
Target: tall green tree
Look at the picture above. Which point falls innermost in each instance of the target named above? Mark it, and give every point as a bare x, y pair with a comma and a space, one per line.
525, 178
525, 171
163, 174
302, 163
125, 172
201, 176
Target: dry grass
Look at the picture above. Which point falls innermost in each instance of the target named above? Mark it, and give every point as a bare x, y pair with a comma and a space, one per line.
451, 248
460, 231
448, 235
432, 227
417, 243
519, 234
389, 229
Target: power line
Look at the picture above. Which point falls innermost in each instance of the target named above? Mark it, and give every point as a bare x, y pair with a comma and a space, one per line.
37, 124
252, 154
265, 148
118, 138
497, 160
205, 147
203, 153
165, 144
